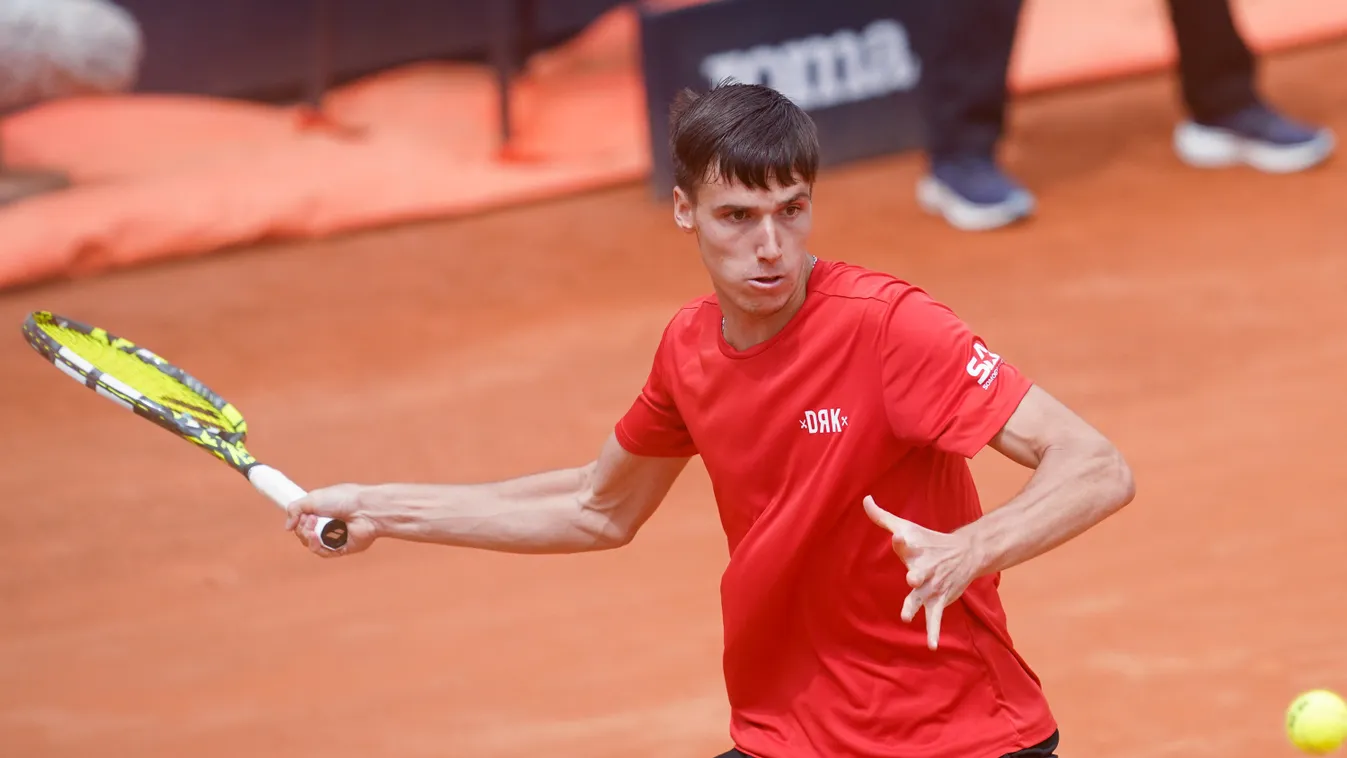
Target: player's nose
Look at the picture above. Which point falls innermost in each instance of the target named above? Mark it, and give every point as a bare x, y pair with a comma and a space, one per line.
769, 247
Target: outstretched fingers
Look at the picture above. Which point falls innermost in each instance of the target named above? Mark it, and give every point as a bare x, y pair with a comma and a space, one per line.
883, 518
912, 543
934, 611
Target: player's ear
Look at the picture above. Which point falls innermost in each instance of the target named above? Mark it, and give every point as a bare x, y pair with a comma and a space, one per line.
683, 210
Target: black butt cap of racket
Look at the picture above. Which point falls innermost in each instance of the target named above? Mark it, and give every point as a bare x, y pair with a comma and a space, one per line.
334, 533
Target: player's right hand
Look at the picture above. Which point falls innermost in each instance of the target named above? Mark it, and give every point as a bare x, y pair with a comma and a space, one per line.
340, 501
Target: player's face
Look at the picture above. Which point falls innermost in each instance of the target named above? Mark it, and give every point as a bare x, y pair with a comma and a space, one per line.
752, 241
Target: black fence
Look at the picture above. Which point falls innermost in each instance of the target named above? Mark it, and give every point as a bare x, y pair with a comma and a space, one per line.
272, 49
850, 63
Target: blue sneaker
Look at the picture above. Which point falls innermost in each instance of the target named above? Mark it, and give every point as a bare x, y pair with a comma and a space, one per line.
1256, 136
973, 194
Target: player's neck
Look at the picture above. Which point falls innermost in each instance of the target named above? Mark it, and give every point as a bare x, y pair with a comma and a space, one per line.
743, 331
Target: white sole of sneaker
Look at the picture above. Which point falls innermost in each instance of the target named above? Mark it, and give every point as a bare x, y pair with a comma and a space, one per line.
1208, 147
936, 198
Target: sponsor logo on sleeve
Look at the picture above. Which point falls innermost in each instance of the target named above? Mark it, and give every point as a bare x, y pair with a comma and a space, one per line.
984, 366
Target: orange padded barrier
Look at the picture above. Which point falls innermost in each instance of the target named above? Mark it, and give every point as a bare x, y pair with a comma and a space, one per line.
172, 176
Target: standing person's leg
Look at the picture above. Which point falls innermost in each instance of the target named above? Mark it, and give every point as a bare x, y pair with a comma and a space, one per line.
965, 52
1229, 123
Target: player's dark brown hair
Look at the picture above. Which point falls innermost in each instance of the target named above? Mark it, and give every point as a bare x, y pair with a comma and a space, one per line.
748, 133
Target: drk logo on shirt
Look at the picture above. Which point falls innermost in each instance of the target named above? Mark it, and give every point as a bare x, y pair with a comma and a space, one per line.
820, 70
824, 421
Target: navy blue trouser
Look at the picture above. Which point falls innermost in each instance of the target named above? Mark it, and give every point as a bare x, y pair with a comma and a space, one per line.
1045, 749
965, 51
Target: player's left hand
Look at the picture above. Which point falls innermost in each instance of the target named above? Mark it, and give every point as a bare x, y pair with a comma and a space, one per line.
940, 566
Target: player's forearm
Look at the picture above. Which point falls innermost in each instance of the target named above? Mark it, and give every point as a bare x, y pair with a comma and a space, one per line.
541, 513
1068, 493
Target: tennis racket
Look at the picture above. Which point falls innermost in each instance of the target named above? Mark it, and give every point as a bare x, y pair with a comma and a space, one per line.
140, 381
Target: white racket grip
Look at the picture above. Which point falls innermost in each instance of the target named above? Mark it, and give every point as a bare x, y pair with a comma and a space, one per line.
277, 486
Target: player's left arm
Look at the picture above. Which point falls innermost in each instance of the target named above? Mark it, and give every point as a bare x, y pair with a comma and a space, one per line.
946, 390
1080, 478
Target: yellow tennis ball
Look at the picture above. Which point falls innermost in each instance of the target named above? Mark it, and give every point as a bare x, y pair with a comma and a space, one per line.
1316, 721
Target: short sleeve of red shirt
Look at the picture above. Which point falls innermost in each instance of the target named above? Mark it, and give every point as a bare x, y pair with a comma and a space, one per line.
653, 427
944, 387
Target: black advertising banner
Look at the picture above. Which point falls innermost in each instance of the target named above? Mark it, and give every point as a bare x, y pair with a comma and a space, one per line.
850, 64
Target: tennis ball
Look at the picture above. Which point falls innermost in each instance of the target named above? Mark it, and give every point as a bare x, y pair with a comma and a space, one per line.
1316, 721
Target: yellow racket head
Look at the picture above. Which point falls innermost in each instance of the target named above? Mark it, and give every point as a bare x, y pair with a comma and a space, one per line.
139, 380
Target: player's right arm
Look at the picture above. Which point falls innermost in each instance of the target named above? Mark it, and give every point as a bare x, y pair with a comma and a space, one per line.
598, 506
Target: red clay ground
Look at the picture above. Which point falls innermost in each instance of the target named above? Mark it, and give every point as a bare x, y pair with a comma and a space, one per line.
154, 607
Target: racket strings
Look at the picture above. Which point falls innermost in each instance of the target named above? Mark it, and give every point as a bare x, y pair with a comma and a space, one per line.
140, 375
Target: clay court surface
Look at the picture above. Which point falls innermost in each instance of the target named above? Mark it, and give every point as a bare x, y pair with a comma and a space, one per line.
153, 606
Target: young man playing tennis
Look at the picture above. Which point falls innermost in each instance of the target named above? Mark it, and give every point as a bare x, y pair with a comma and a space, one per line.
835, 409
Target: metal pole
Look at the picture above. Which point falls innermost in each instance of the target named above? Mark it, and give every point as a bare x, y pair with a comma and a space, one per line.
320, 72
504, 56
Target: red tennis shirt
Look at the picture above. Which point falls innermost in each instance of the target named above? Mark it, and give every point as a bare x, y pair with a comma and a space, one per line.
872, 388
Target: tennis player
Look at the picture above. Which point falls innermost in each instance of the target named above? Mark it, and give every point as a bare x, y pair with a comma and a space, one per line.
834, 408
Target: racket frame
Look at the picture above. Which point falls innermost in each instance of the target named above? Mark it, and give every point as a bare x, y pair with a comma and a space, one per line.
226, 445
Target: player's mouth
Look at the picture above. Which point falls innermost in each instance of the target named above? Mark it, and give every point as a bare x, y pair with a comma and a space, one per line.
766, 282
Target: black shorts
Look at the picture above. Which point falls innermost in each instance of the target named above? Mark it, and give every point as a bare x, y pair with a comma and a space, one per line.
1045, 749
